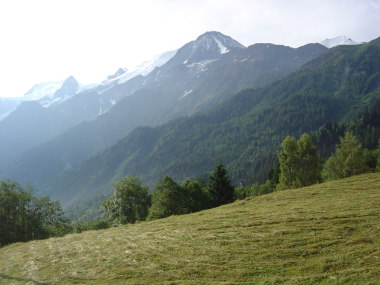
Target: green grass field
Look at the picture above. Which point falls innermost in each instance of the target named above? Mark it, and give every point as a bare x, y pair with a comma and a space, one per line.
323, 234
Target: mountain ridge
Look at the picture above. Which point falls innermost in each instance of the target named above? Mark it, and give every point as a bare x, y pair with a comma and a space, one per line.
169, 91
244, 132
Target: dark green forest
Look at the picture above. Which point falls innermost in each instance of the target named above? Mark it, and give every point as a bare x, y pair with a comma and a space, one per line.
339, 90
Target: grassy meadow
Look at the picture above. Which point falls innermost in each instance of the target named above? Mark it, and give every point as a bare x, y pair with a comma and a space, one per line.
323, 234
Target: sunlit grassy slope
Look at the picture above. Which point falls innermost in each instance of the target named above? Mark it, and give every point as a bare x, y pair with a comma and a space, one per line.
324, 234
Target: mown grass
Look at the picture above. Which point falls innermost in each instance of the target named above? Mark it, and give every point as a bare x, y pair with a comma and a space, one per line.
324, 234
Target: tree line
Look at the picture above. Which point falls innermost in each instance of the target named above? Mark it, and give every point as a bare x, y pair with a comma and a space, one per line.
131, 201
24, 216
299, 165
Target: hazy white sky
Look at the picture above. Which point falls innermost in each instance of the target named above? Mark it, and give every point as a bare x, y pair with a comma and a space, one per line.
44, 40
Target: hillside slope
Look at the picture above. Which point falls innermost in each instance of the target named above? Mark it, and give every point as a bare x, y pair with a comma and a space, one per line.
328, 233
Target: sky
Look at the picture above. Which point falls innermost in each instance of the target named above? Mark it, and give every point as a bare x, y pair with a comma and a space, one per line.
44, 40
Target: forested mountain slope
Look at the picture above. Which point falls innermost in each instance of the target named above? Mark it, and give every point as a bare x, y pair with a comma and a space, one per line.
202, 74
244, 133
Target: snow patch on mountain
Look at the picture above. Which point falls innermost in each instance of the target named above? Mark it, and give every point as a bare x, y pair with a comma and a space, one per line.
68, 89
210, 45
117, 74
337, 41
41, 90
84, 87
222, 48
224, 42
200, 66
54, 92
122, 75
187, 92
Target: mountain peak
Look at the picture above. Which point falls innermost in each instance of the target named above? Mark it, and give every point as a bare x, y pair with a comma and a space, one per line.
211, 34
207, 46
223, 42
44, 89
337, 41
68, 89
70, 80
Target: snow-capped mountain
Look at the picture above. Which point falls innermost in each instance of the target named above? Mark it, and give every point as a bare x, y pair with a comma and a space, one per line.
341, 40
42, 90
207, 46
122, 75
53, 92
68, 89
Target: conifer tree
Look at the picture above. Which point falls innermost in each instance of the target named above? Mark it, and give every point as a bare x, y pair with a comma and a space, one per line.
220, 188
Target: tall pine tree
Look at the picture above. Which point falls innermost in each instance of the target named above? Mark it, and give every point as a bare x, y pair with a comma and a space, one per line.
220, 188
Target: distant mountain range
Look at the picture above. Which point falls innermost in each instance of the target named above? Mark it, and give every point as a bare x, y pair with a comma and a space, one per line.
177, 114
50, 108
201, 75
45, 92
244, 132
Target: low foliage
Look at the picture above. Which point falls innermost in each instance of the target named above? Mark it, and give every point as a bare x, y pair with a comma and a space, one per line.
93, 225
255, 189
